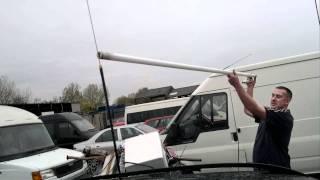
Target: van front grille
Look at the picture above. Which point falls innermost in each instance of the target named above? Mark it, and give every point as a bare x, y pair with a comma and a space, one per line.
68, 168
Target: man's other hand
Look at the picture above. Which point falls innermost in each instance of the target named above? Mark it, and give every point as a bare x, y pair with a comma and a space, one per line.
251, 82
233, 79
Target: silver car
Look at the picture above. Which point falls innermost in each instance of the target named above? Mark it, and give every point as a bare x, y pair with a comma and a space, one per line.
103, 139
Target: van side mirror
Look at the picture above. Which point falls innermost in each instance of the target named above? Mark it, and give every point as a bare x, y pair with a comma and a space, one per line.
172, 134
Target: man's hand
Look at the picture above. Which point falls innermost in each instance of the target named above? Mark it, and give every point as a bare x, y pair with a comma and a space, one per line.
251, 82
233, 79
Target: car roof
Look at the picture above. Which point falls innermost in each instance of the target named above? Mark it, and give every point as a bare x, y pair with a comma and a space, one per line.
10, 116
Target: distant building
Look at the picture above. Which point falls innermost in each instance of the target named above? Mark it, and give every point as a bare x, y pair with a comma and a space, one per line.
157, 94
47, 108
182, 92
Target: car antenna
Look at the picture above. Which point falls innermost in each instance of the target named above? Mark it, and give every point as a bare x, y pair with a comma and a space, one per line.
105, 92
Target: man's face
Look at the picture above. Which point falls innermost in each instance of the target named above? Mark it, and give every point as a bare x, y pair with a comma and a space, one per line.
279, 99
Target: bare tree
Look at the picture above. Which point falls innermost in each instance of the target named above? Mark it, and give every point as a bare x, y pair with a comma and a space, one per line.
21, 97
126, 100
129, 100
7, 89
92, 98
71, 93
9, 94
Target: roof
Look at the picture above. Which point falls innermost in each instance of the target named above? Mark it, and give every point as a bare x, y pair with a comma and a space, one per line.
12, 116
268, 69
65, 115
163, 91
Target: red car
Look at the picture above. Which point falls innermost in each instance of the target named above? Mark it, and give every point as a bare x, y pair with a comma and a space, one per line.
118, 123
159, 123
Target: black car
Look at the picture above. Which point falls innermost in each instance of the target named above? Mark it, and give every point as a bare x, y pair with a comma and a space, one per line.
68, 128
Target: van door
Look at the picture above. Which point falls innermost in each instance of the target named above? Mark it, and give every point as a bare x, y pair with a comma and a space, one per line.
205, 129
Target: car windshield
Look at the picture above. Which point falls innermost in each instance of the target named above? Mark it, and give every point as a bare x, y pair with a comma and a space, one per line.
18, 140
145, 128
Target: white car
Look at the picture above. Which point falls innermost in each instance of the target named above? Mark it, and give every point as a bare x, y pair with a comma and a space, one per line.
103, 139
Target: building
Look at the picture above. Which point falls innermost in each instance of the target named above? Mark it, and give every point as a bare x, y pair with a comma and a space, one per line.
168, 92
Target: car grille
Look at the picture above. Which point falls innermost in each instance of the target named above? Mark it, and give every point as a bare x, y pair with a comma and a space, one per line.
68, 168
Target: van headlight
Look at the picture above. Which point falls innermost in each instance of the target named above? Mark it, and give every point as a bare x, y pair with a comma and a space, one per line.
43, 175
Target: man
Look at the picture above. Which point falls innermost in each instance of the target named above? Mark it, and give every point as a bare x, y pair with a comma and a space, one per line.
275, 122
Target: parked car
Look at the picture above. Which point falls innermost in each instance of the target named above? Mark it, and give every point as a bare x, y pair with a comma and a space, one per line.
103, 139
119, 123
159, 123
68, 128
28, 152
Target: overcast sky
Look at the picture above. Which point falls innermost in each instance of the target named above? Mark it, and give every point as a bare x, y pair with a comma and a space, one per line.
44, 45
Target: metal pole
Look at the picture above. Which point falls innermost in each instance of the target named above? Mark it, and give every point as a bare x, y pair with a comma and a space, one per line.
155, 62
110, 119
105, 92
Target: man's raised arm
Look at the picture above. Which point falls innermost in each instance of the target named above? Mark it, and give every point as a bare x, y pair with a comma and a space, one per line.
252, 108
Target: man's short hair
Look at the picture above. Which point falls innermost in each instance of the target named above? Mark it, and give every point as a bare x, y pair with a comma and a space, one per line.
288, 91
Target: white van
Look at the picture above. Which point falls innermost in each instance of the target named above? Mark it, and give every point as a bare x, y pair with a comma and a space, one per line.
28, 152
212, 125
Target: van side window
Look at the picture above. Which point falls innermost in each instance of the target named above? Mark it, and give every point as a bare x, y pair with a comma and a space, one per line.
66, 130
107, 136
203, 113
214, 112
144, 115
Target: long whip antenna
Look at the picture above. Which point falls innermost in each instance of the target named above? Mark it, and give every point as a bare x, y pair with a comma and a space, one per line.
241, 59
105, 93
315, 1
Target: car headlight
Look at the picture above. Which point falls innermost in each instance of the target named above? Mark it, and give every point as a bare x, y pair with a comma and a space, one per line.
43, 175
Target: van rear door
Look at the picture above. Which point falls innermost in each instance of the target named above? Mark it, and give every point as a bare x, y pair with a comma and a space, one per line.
205, 128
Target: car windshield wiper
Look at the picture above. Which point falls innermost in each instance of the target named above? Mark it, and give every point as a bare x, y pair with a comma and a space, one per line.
27, 153
44, 149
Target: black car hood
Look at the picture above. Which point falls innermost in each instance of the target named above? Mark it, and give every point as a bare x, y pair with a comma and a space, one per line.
219, 171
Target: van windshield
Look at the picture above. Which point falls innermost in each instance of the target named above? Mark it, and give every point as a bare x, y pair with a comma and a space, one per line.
23, 140
82, 124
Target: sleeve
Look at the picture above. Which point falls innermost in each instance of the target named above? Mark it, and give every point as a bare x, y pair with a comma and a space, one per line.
257, 119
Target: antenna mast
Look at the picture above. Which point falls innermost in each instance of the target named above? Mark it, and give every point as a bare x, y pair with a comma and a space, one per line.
161, 63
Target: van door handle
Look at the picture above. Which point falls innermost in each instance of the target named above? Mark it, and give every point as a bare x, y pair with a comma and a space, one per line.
238, 130
234, 136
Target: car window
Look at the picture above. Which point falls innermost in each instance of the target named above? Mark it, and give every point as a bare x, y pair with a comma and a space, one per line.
153, 123
129, 132
107, 136
145, 128
164, 122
